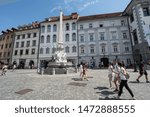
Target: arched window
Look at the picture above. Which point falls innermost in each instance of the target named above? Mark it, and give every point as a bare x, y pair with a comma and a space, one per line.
67, 49
67, 26
54, 28
74, 37
49, 28
43, 29
73, 26
47, 50
48, 39
41, 50
54, 38
42, 39
74, 49
67, 37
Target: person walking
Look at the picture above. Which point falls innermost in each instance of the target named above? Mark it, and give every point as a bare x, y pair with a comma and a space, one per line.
124, 81
116, 77
142, 70
111, 74
84, 73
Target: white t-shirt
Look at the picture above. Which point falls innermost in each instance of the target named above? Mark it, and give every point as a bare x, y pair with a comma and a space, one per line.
121, 73
110, 69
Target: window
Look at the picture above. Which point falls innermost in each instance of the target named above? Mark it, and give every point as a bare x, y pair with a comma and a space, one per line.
82, 50
90, 25
53, 50
74, 37
54, 28
92, 49
47, 50
4, 54
131, 18
34, 34
102, 36
42, 39
18, 36
67, 26
67, 49
1, 46
41, 50
74, 49
114, 34
17, 44
122, 23
6, 45
10, 45
135, 37
54, 38
28, 44
16, 52
73, 26
49, 28
48, 39
21, 52
126, 49
115, 48
67, 37
124, 35
27, 51
103, 49
0, 54
22, 44
33, 51
23, 36
81, 27
7, 37
34, 43
81, 38
146, 11
43, 29
29, 35
91, 37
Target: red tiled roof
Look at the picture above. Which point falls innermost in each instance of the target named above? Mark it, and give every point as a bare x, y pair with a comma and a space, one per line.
100, 16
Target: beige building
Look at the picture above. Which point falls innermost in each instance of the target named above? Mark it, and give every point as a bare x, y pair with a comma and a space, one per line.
6, 45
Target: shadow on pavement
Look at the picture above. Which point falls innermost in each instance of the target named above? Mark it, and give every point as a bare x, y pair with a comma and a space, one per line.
77, 79
101, 88
136, 82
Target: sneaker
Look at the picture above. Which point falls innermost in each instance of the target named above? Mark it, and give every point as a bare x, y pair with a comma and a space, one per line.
115, 90
138, 80
147, 82
133, 98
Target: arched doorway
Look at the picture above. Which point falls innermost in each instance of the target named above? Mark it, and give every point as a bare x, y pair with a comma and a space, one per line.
31, 64
105, 61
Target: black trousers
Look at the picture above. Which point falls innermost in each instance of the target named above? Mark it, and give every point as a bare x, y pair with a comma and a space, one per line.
124, 84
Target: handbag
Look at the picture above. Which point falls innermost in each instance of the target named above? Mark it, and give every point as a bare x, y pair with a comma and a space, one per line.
127, 75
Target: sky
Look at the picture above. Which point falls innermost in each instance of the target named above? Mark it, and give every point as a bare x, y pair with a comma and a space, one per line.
19, 12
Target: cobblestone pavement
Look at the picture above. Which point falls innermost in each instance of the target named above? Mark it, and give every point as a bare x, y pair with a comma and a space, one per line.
66, 87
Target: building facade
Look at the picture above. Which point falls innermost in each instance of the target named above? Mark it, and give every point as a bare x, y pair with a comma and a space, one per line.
104, 38
49, 35
6, 45
138, 12
25, 49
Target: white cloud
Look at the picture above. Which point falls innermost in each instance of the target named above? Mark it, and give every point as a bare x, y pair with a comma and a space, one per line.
74, 5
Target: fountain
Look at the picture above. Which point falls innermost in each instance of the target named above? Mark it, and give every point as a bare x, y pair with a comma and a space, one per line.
59, 64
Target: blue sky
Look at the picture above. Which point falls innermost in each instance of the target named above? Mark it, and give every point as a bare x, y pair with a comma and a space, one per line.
19, 12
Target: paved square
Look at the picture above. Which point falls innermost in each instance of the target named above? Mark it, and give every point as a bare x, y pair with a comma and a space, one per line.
67, 87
